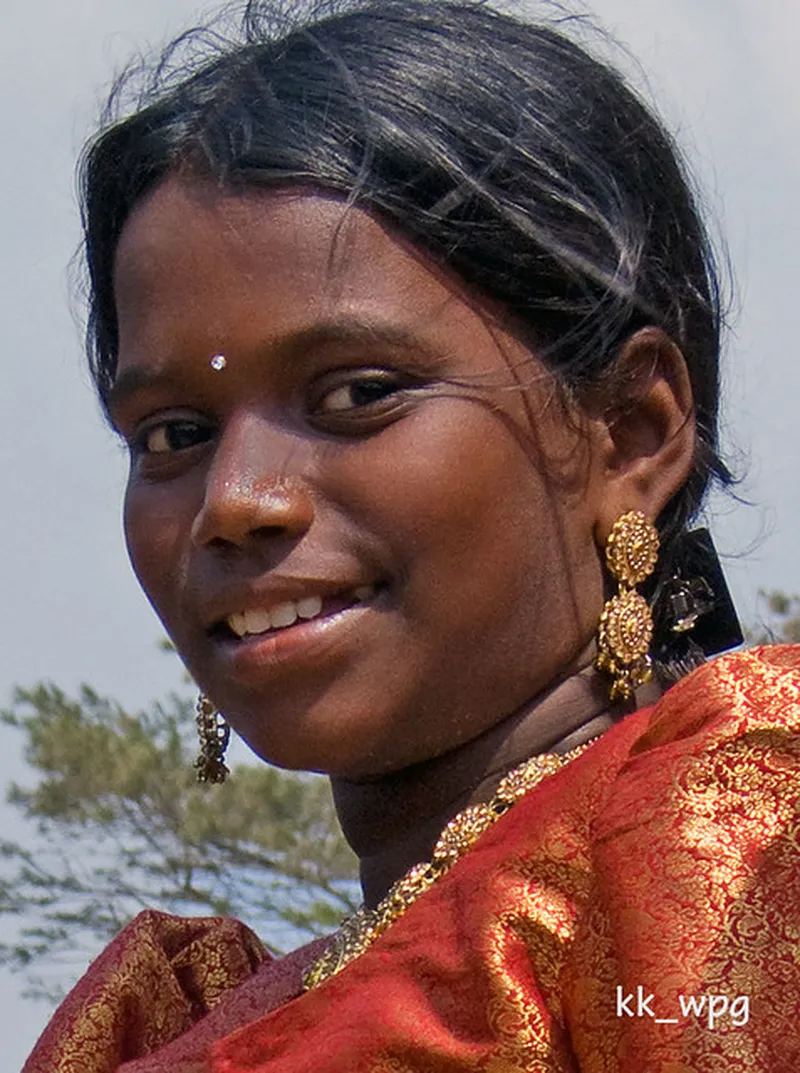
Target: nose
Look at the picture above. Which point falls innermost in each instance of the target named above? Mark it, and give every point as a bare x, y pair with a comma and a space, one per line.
254, 487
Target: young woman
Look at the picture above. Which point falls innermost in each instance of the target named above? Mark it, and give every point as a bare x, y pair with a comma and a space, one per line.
408, 318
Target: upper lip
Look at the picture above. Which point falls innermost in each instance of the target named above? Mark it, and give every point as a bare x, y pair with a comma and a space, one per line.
268, 594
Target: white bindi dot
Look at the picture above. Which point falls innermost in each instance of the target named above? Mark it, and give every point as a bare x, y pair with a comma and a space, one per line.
218, 362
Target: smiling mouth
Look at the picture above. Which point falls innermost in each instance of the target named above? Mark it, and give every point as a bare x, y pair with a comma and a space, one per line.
241, 626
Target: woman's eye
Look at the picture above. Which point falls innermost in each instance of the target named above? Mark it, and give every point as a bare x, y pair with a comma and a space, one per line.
167, 437
357, 394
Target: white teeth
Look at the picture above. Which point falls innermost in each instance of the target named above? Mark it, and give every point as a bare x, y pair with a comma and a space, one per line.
282, 615
257, 621
287, 613
309, 608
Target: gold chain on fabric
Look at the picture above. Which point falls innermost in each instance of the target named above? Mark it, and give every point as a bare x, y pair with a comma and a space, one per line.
361, 930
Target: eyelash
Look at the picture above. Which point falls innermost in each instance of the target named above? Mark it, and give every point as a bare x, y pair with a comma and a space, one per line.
139, 445
389, 385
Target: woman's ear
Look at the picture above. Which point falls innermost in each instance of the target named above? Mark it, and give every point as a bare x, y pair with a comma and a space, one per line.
647, 430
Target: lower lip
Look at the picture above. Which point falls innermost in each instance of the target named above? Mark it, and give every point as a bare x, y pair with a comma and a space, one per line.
301, 646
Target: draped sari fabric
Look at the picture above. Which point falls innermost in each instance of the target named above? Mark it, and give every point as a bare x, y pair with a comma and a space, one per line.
637, 911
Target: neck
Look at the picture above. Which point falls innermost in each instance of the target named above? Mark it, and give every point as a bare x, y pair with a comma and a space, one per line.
393, 822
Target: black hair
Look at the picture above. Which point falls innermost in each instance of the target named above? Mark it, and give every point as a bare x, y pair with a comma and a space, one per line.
502, 147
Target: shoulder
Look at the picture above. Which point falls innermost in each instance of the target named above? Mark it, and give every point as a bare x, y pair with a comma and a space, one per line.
696, 873
720, 742
727, 698
160, 975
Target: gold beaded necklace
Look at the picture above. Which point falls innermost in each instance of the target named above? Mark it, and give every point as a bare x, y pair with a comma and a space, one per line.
361, 930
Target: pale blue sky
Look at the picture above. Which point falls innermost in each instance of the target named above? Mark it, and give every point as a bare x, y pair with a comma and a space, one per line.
723, 74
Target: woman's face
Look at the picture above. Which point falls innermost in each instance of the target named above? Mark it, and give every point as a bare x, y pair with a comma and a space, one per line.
368, 543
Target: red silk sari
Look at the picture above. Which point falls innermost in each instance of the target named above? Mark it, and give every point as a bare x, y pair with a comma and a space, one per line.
639, 910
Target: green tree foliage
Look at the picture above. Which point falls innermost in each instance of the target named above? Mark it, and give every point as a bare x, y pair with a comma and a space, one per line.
119, 823
779, 620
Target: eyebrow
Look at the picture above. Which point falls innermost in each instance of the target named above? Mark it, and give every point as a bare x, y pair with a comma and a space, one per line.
345, 329
137, 378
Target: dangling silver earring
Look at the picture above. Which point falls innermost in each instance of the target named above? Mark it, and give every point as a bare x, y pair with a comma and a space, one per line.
214, 734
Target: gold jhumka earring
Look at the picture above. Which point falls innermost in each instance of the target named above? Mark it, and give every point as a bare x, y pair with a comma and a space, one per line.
626, 624
214, 734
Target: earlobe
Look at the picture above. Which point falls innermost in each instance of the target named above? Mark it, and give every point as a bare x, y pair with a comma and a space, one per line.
649, 435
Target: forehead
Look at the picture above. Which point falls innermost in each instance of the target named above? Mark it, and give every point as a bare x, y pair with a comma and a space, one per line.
193, 246
277, 274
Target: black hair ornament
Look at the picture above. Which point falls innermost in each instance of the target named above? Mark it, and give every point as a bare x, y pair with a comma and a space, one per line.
693, 610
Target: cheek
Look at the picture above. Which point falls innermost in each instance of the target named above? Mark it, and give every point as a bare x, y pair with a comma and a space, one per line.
464, 508
153, 533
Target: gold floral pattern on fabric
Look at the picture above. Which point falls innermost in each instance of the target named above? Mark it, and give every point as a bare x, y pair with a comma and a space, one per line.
696, 898
528, 943
661, 866
155, 980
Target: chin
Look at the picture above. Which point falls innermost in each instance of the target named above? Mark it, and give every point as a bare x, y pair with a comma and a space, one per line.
336, 759
310, 753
